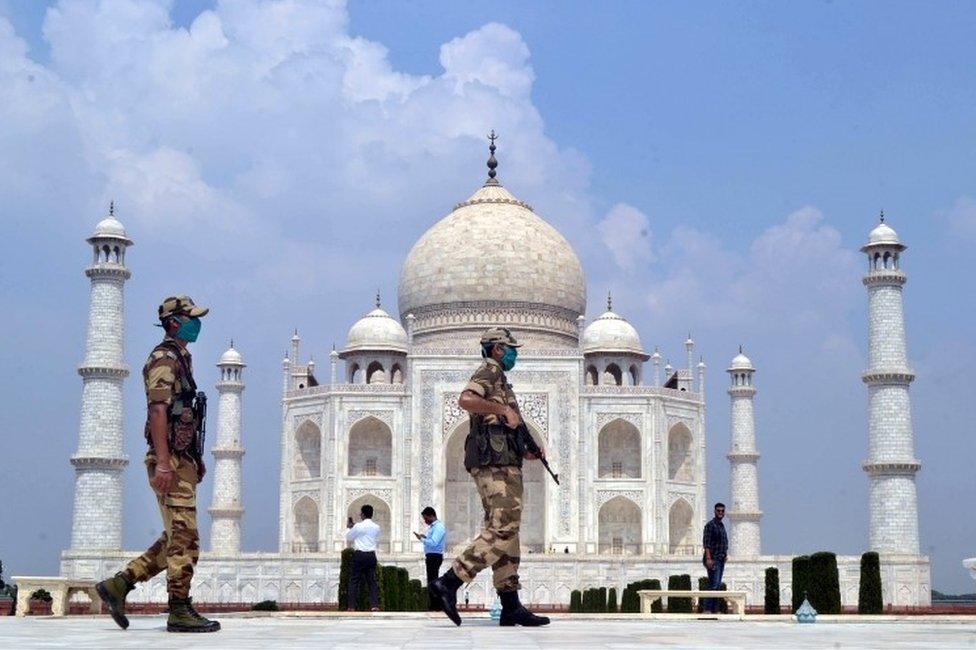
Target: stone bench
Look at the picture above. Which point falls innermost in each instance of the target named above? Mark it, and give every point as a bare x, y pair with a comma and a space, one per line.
736, 599
61, 590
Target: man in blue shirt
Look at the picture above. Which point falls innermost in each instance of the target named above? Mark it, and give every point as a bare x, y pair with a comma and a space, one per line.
433, 549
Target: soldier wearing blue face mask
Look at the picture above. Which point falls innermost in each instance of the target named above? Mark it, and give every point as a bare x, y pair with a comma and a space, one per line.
493, 454
174, 462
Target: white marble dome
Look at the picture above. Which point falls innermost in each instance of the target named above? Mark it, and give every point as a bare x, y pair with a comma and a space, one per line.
741, 362
231, 358
883, 234
611, 333
492, 249
377, 331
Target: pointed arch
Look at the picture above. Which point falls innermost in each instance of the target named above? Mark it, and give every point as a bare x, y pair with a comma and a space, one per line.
635, 375
376, 374
619, 449
612, 376
306, 526
620, 527
370, 448
308, 451
680, 534
396, 374
680, 457
381, 515
592, 376
463, 511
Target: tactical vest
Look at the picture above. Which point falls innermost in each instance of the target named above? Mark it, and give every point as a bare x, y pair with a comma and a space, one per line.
491, 445
182, 418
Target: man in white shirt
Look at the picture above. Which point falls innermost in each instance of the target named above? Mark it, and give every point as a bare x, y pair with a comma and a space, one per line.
363, 537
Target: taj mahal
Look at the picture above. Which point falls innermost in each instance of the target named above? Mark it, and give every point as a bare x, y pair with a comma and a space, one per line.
625, 429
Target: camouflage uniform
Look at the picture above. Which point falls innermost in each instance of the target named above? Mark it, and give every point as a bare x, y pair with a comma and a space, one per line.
496, 468
178, 548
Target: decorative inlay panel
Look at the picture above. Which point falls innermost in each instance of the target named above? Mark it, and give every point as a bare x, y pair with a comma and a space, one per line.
602, 496
380, 493
356, 415
603, 419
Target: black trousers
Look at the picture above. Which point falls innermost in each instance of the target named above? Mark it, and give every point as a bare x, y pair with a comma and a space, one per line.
433, 561
363, 566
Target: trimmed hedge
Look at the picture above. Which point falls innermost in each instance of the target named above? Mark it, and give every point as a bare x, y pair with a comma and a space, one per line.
869, 599
265, 606
601, 600
42, 594
679, 605
417, 603
771, 601
801, 580
824, 589
576, 602
612, 601
630, 600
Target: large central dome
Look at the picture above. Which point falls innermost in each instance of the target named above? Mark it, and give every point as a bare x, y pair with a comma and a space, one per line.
493, 261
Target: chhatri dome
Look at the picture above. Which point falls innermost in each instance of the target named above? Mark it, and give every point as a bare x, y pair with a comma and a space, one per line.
883, 234
231, 357
493, 261
611, 333
376, 331
741, 362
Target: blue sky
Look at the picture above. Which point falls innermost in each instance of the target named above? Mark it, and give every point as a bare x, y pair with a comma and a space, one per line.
717, 166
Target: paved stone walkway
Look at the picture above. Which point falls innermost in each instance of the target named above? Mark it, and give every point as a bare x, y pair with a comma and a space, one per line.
435, 634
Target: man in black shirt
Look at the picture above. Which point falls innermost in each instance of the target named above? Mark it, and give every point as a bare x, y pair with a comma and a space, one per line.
716, 544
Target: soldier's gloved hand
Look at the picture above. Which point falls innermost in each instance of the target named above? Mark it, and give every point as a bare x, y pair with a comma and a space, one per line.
511, 417
163, 480
531, 456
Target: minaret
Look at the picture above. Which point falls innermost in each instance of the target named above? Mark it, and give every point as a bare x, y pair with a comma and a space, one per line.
744, 514
891, 463
226, 510
656, 360
99, 461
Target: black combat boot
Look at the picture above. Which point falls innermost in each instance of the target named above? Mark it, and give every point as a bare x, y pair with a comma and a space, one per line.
183, 618
113, 592
444, 591
514, 613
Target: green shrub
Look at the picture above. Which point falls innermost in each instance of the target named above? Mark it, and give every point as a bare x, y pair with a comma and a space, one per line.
771, 601
417, 603
723, 605
42, 594
629, 601
824, 586
869, 599
404, 604
345, 570
265, 606
612, 600
679, 605
391, 589
575, 602
601, 600
801, 580
425, 598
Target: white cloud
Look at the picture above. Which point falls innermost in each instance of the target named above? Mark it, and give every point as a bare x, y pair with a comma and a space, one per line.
625, 230
961, 218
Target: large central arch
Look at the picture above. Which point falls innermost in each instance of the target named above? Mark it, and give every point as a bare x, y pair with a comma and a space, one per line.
463, 512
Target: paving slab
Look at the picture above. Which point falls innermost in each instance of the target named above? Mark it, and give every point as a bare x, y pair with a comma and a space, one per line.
430, 633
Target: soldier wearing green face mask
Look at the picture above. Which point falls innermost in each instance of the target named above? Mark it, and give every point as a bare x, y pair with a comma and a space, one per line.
175, 467
493, 456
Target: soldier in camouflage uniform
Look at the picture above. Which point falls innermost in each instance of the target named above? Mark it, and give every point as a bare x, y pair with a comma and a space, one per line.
493, 456
174, 470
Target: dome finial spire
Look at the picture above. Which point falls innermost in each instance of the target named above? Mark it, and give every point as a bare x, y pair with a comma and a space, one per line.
492, 163
740, 348
882, 215
232, 343
378, 299
111, 208
609, 300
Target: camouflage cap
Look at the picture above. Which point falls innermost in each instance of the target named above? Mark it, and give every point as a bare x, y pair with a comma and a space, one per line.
181, 305
500, 335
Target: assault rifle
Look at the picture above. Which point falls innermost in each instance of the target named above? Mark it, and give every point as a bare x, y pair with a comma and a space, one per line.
200, 415
529, 444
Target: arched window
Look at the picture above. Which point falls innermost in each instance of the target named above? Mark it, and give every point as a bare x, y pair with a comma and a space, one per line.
306, 526
887, 260
619, 448
370, 448
375, 374
355, 374
397, 374
612, 375
308, 449
381, 515
592, 377
680, 534
620, 527
635, 378
679, 453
